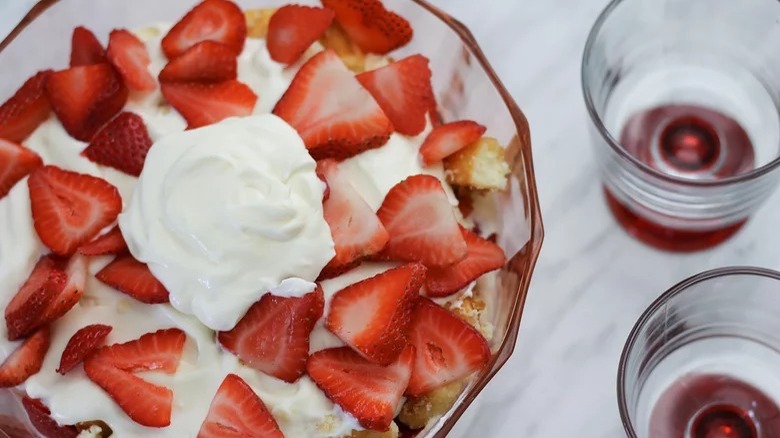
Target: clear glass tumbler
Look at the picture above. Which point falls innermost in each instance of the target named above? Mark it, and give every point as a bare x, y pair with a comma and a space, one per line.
684, 97
702, 361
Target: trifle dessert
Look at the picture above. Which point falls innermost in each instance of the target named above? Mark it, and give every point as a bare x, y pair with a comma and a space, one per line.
245, 223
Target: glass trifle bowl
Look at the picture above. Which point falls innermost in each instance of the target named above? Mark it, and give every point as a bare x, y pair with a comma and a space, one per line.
464, 84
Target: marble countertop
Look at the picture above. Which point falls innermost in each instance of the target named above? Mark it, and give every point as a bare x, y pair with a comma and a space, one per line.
592, 280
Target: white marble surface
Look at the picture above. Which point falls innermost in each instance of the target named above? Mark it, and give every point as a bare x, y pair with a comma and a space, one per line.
592, 280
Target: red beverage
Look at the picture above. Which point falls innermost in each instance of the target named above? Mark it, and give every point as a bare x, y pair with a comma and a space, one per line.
714, 406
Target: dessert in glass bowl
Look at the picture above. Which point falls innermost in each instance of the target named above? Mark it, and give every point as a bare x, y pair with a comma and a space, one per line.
255, 221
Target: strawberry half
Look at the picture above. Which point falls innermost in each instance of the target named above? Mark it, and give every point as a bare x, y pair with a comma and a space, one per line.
481, 256
204, 104
236, 411
26, 360
70, 294
70, 208
122, 144
332, 112
85, 49
40, 417
205, 62
373, 315
84, 98
448, 348
293, 28
373, 28
81, 345
447, 139
111, 368
421, 223
403, 91
24, 311
109, 243
370, 392
134, 278
273, 336
131, 59
16, 162
211, 20
23, 112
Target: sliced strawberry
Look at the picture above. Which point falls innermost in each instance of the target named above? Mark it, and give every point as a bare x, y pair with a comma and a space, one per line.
81, 345
370, 392
204, 104
109, 243
122, 144
332, 112
160, 350
24, 311
16, 162
482, 256
40, 417
448, 348
372, 27
211, 20
68, 296
134, 278
23, 112
421, 223
373, 315
293, 28
334, 271
205, 62
70, 208
273, 336
131, 59
236, 411
403, 91
447, 139
26, 360
85, 48
85, 98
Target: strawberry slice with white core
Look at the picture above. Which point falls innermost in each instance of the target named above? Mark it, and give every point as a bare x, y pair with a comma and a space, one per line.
421, 223
26, 360
134, 278
403, 91
85, 49
131, 59
373, 315
70, 294
40, 417
23, 112
368, 391
205, 62
81, 345
334, 115
481, 256
211, 20
69, 208
23, 312
122, 144
293, 28
16, 162
448, 348
447, 139
273, 336
110, 243
236, 411
373, 28
204, 104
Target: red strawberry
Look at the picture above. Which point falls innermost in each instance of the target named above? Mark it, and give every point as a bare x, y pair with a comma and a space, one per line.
122, 144
273, 336
372, 27
26, 360
70, 208
70, 294
23, 312
403, 91
23, 112
85, 48
109, 243
293, 28
332, 112
334, 271
131, 59
81, 345
448, 348
236, 411
160, 350
204, 104
205, 62
85, 98
447, 139
373, 315
40, 417
16, 162
368, 391
421, 223
482, 256
213, 20
134, 278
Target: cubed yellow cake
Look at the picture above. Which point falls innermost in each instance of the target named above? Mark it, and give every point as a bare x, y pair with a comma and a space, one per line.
481, 165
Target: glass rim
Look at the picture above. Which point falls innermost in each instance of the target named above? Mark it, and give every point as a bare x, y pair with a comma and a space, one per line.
659, 302
621, 152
